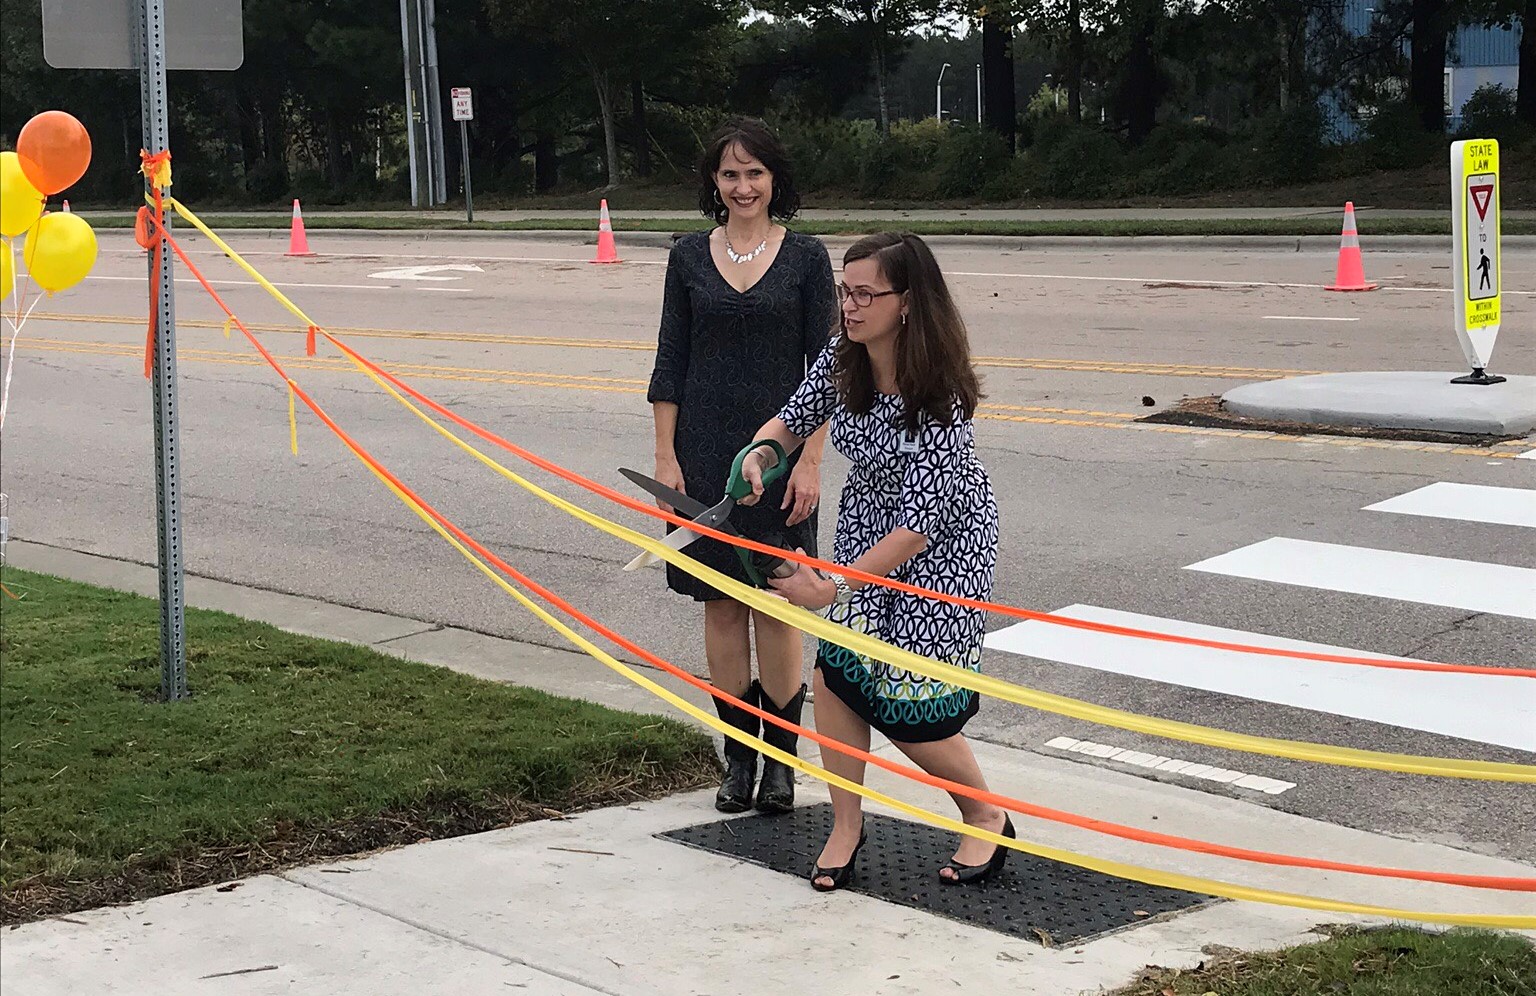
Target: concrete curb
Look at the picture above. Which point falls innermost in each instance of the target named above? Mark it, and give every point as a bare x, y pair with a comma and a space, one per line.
1392, 400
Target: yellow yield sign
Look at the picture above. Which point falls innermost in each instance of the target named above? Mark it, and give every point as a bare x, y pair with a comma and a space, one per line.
1475, 239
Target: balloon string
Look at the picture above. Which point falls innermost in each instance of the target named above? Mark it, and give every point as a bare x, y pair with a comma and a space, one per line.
10, 357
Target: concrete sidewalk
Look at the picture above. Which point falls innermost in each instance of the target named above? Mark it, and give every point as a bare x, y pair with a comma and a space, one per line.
596, 904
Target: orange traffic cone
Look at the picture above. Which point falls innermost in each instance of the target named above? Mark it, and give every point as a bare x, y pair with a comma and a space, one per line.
607, 252
298, 242
1350, 275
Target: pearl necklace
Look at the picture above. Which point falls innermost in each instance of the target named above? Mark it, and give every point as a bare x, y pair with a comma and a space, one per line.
744, 257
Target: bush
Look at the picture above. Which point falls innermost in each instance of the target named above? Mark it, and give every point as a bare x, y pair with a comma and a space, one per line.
1180, 158
1396, 140
1288, 146
1078, 161
831, 154
268, 181
970, 158
1490, 113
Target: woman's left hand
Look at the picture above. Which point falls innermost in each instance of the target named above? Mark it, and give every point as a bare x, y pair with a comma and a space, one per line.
805, 588
803, 493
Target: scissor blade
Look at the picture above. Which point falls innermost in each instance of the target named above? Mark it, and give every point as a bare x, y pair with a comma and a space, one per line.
676, 539
684, 505
714, 517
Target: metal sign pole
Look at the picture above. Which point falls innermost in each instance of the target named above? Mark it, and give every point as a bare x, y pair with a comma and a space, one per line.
469, 196
463, 112
156, 120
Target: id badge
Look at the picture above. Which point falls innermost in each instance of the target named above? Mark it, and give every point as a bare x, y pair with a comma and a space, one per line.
908, 444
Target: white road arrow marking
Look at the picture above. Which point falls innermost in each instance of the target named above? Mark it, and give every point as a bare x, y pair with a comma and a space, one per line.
424, 272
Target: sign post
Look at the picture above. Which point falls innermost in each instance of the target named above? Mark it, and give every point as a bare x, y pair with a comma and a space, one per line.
1475, 248
464, 113
133, 34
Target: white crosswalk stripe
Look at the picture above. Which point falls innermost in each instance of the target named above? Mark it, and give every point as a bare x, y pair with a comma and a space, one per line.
1488, 709
1408, 577
1466, 502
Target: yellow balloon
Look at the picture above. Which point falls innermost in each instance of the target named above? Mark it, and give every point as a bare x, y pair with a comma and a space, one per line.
7, 271
60, 251
20, 203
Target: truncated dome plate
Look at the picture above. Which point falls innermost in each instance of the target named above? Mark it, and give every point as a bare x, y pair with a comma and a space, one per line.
900, 864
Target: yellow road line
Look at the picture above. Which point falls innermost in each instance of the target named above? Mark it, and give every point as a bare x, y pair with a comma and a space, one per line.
1146, 369
634, 345
642, 346
990, 405
1039, 415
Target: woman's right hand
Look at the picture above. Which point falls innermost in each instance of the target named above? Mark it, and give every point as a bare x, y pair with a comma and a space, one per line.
752, 473
670, 473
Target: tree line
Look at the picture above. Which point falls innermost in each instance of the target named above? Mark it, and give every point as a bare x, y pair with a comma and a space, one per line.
576, 94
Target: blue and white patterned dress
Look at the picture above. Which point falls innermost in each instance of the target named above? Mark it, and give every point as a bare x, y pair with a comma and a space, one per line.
937, 488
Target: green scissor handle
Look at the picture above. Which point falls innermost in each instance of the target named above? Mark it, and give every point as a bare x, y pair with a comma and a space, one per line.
739, 488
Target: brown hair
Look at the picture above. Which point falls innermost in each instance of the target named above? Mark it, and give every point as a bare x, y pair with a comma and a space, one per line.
759, 142
933, 352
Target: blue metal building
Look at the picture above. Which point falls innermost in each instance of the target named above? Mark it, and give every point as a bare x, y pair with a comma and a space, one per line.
1475, 57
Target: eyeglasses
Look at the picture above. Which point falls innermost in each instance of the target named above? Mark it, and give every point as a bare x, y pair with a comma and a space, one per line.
862, 298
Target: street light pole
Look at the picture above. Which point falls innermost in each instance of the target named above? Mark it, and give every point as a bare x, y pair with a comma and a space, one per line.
938, 94
410, 104
978, 93
434, 95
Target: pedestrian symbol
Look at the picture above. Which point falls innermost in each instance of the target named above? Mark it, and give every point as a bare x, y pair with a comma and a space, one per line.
1484, 266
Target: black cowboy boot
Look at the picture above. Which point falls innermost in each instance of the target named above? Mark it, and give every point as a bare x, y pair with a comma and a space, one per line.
735, 795
776, 792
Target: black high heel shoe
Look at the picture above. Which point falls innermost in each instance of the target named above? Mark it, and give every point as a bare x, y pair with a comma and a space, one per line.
841, 875
976, 874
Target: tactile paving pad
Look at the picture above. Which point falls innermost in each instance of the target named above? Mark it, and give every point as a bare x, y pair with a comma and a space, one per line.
1031, 898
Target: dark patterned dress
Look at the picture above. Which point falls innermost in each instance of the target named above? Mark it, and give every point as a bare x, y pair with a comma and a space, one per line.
729, 360
932, 484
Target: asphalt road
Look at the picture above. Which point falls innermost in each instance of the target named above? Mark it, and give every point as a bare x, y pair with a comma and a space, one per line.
1097, 510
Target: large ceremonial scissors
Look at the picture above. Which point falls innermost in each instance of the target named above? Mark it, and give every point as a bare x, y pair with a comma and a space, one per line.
759, 567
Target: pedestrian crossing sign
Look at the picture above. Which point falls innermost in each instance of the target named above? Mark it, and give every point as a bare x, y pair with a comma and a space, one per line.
1475, 237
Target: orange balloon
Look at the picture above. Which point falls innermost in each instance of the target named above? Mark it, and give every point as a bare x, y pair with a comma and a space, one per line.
54, 150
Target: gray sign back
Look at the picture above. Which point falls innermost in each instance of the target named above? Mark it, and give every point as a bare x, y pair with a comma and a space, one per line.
102, 34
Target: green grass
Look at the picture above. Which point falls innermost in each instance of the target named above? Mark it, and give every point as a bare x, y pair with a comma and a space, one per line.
1395, 961
1109, 227
290, 749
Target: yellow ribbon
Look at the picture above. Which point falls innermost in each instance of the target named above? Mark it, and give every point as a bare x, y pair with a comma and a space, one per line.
875, 649
293, 421
1137, 873
817, 626
1133, 872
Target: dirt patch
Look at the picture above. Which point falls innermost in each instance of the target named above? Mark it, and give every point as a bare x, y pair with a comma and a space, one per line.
1184, 285
290, 845
1208, 413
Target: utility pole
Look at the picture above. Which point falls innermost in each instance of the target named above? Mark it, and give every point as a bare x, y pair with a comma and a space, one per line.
434, 92
423, 104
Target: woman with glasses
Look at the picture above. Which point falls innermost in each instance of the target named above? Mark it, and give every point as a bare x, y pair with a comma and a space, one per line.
746, 310
899, 392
